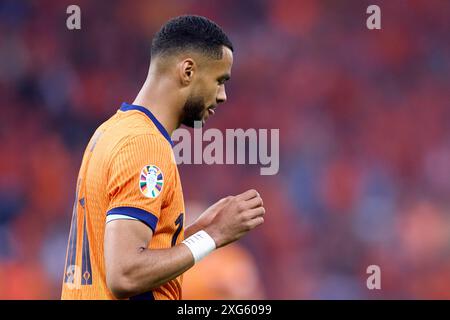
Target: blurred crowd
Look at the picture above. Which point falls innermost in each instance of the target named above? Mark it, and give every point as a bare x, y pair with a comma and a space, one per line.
364, 119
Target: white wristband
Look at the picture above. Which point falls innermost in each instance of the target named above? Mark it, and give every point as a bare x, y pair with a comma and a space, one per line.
201, 244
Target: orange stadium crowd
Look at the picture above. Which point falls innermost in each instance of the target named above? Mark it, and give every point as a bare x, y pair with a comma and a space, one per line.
364, 119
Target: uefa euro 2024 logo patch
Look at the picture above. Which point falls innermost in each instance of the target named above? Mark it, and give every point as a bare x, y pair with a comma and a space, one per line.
151, 181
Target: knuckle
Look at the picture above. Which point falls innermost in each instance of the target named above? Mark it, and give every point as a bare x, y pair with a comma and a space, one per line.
225, 200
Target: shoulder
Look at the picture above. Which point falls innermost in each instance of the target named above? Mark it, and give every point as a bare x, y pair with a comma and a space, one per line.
143, 144
140, 155
133, 139
134, 130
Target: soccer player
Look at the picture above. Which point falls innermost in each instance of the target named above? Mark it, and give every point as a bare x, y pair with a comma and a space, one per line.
127, 237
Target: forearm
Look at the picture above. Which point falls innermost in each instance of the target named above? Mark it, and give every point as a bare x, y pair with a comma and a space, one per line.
148, 269
191, 229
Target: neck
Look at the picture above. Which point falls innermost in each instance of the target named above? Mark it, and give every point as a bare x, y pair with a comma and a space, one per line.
155, 96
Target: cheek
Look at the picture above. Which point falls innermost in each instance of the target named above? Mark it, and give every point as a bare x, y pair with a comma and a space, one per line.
208, 90
202, 89
210, 94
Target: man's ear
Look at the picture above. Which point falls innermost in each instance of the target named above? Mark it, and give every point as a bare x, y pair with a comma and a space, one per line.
187, 69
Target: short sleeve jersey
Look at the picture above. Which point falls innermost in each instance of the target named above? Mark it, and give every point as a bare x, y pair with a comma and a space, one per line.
128, 171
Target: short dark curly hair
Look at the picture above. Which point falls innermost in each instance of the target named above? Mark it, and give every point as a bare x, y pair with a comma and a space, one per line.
190, 32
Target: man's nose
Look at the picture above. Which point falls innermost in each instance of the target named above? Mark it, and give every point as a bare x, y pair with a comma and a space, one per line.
221, 96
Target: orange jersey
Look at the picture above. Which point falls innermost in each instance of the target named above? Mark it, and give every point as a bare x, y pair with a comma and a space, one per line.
128, 172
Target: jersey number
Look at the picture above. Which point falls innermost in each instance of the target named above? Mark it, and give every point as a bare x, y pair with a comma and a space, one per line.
179, 223
74, 275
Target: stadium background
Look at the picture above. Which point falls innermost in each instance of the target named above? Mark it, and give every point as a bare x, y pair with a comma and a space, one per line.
364, 120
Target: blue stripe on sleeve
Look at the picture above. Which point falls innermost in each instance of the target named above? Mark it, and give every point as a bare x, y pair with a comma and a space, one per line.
146, 217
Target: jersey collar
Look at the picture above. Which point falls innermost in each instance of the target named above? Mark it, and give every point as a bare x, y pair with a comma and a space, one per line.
126, 107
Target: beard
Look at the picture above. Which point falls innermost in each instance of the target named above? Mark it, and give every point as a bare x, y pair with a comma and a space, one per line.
193, 111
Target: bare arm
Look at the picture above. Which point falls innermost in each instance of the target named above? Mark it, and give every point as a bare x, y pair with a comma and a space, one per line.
131, 268
191, 229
